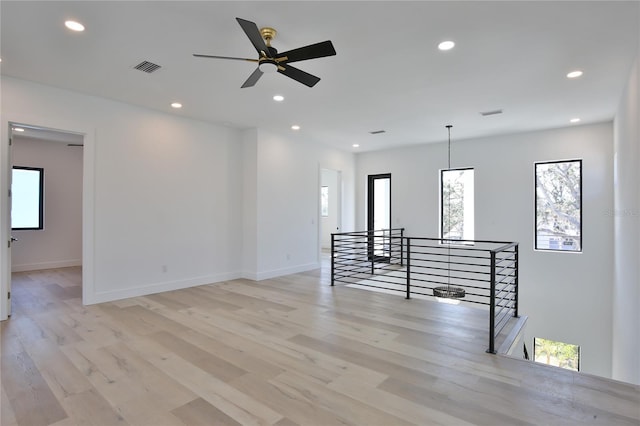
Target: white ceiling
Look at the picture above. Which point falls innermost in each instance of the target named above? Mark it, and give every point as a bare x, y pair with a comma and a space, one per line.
387, 74
21, 131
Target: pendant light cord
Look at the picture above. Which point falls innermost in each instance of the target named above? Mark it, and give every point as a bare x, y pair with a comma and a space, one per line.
449, 126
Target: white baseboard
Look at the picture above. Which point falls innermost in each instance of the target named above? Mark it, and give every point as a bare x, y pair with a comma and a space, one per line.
109, 296
46, 265
265, 275
253, 276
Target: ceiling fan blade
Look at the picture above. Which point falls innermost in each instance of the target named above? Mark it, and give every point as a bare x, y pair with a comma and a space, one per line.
197, 55
253, 78
318, 50
252, 31
298, 75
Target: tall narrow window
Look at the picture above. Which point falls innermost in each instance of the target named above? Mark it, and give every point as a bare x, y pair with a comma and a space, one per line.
324, 201
27, 198
457, 204
379, 216
559, 206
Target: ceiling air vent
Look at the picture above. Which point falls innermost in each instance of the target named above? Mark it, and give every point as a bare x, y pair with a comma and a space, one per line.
494, 112
147, 67
377, 132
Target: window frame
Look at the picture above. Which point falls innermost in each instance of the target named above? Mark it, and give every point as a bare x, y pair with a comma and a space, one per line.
441, 218
535, 206
40, 201
373, 239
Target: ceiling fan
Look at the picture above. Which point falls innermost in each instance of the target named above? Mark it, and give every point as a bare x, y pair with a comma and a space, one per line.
269, 60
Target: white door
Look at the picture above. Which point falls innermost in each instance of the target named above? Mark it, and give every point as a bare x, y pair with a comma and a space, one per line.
330, 205
7, 274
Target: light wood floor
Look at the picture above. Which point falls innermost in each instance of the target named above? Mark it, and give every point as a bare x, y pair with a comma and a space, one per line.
281, 352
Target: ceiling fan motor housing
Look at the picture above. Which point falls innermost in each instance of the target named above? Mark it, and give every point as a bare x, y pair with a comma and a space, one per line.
267, 65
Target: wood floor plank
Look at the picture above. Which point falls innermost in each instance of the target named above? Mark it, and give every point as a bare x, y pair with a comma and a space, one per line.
235, 404
200, 413
63, 293
92, 327
349, 410
278, 353
147, 410
299, 410
57, 331
142, 378
203, 296
285, 351
32, 401
242, 359
90, 408
62, 377
286, 422
395, 405
7, 416
472, 406
206, 361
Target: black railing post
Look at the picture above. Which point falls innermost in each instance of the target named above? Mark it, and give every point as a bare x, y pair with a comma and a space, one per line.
401, 246
408, 268
333, 248
515, 314
373, 251
492, 306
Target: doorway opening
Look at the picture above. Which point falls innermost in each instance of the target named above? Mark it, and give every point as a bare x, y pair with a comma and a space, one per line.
330, 207
46, 261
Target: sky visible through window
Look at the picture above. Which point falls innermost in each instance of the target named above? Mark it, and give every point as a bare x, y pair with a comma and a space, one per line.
26, 198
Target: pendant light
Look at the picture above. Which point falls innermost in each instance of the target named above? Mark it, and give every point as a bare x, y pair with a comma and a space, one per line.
448, 294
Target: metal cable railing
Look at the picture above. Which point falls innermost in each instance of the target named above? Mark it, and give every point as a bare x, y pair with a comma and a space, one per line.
486, 272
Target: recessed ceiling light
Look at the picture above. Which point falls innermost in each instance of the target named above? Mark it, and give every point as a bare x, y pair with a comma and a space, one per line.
176, 105
575, 120
355, 145
446, 45
74, 26
295, 127
278, 98
18, 129
574, 74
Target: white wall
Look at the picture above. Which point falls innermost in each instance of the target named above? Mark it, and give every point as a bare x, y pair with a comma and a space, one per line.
249, 206
626, 214
566, 296
330, 224
288, 209
162, 200
170, 202
59, 244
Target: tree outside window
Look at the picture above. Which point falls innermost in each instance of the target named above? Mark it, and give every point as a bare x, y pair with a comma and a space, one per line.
559, 205
559, 354
324, 201
457, 202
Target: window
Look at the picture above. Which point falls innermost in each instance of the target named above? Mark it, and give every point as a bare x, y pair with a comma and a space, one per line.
457, 204
559, 206
324, 201
27, 198
559, 354
379, 217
